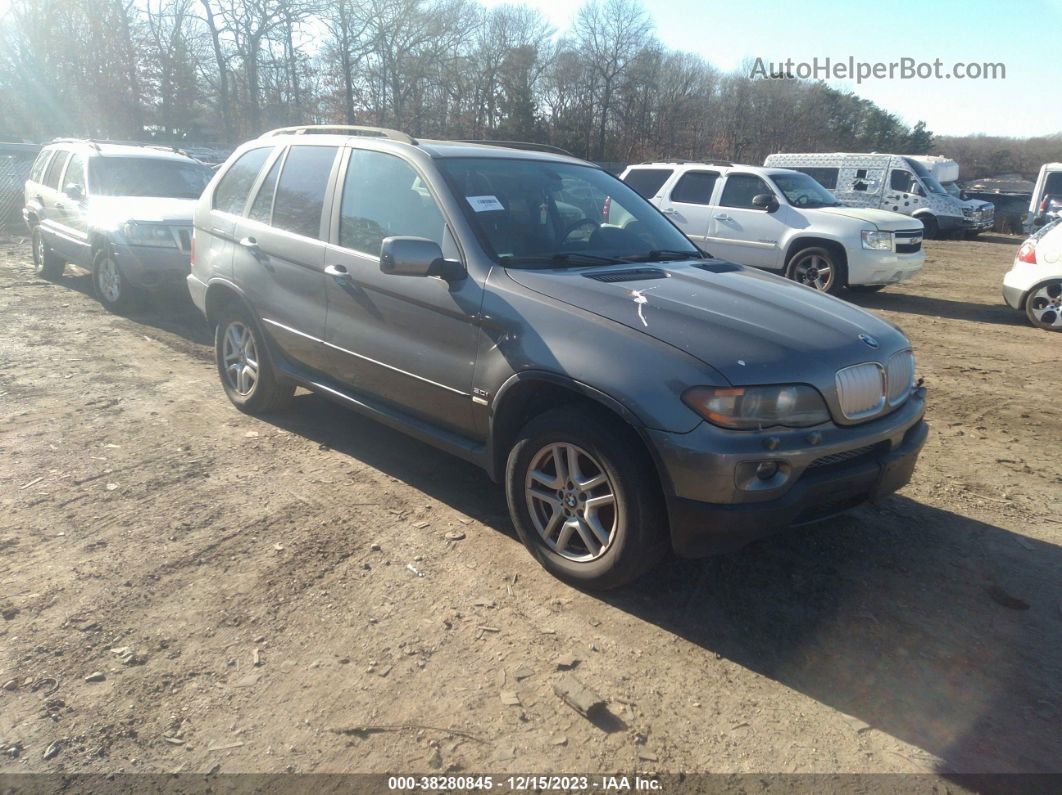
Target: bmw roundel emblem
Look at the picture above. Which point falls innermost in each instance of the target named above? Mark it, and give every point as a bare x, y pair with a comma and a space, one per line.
873, 343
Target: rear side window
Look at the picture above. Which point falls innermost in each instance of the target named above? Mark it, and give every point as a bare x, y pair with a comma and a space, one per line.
230, 196
262, 209
55, 169
383, 197
647, 181
75, 172
827, 177
300, 193
740, 189
695, 187
38, 166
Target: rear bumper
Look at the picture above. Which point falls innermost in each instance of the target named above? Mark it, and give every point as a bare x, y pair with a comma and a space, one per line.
723, 518
197, 290
146, 266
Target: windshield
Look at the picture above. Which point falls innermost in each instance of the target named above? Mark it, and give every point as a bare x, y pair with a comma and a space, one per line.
923, 174
803, 191
533, 213
952, 188
146, 176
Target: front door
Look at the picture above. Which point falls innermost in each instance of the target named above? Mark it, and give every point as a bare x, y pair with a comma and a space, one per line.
743, 233
688, 205
406, 340
279, 252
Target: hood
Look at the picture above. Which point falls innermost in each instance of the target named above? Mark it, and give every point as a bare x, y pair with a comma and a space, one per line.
112, 211
977, 204
885, 220
752, 327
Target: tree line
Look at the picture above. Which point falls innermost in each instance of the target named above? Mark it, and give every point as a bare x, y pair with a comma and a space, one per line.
223, 71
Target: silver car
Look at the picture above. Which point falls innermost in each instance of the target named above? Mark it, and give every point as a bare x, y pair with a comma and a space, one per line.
632, 394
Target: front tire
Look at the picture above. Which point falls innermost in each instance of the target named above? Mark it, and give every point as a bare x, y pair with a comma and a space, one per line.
931, 229
45, 262
1043, 307
112, 288
245, 366
585, 499
866, 288
818, 268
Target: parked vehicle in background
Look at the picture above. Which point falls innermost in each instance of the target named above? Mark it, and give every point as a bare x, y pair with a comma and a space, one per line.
16, 160
885, 182
1048, 185
631, 393
123, 211
1034, 282
783, 221
981, 214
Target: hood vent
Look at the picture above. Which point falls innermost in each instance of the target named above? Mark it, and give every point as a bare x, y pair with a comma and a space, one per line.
719, 266
632, 275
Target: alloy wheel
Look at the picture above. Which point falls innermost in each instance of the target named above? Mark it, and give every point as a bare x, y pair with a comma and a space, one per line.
109, 280
240, 358
814, 271
572, 502
1045, 305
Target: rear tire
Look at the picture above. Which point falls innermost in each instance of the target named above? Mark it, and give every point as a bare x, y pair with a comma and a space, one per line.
818, 268
599, 524
1043, 307
113, 289
45, 262
245, 366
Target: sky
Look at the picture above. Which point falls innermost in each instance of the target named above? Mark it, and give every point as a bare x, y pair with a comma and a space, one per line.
1024, 35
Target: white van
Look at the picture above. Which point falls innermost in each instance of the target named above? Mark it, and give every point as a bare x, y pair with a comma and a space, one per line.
884, 182
980, 214
780, 220
1048, 185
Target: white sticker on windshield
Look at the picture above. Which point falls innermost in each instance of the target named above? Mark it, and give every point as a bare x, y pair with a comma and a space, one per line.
484, 204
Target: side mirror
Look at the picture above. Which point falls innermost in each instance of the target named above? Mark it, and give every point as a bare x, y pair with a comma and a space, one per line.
417, 256
963, 196
765, 201
74, 191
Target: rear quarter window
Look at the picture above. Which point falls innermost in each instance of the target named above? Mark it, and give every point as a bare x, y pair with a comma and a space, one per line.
647, 181
230, 196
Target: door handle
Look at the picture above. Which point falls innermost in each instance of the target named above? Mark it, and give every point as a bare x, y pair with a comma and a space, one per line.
249, 242
338, 271
669, 211
59, 205
722, 217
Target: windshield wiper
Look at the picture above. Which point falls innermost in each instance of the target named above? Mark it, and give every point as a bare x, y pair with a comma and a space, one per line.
563, 258
664, 254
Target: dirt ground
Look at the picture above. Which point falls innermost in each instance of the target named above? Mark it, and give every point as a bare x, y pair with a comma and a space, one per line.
281, 595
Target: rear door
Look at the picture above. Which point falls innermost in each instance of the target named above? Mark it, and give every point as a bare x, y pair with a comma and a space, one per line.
279, 255
688, 203
407, 340
74, 244
48, 197
741, 232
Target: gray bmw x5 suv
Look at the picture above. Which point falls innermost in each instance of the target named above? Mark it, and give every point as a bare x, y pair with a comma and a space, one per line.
631, 393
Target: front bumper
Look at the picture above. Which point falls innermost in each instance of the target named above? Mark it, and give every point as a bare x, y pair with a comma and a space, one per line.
951, 223
148, 266
713, 508
871, 267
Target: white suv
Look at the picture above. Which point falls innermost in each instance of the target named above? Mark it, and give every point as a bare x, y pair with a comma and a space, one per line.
782, 220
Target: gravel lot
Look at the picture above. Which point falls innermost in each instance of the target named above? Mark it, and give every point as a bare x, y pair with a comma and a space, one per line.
282, 595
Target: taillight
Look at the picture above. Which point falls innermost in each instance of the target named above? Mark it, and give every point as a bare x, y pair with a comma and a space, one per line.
1027, 252
606, 209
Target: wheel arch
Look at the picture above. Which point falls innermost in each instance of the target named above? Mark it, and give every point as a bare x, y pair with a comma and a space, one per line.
798, 244
528, 394
219, 294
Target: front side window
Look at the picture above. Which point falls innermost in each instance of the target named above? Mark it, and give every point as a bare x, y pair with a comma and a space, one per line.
695, 187
383, 196
800, 190
902, 181
300, 194
75, 172
55, 169
147, 176
739, 190
230, 195
544, 213
647, 181
931, 183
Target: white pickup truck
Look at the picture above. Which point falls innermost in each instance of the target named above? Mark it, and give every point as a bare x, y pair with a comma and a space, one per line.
784, 221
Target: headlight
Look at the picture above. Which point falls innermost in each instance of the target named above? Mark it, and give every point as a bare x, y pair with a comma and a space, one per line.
878, 241
148, 235
743, 408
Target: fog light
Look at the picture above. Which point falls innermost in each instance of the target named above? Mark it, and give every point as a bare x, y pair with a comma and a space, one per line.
767, 470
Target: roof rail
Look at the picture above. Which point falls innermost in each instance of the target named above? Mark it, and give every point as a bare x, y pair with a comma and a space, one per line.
343, 129
95, 144
720, 163
530, 147
87, 141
